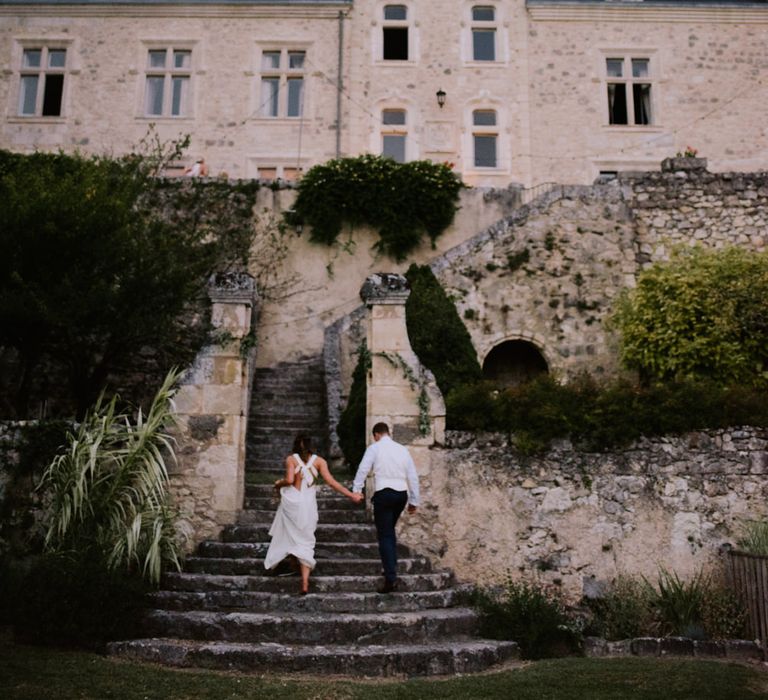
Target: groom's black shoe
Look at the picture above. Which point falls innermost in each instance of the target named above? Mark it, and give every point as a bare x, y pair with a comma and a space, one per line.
389, 587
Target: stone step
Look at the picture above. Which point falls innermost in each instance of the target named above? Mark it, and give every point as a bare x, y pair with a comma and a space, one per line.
253, 517
323, 504
325, 532
313, 628
434, 658
279, 425
259, 601
200, 582
325, 567
323, 551
267, 490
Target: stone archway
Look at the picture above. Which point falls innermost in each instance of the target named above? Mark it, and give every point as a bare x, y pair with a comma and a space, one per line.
514, 362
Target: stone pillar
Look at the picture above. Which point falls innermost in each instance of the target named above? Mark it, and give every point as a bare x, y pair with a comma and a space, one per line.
397, 379
212, 409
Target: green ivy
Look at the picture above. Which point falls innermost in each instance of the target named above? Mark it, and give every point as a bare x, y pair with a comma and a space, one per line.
401, 200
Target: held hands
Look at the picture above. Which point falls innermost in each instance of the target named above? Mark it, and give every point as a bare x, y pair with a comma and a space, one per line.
357, 498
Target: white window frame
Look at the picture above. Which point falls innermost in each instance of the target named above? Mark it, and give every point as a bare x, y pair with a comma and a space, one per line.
395, 130
281, 164
377, 33
653, 78
485, 103
168, 72
284, 74
45, 45
501, 34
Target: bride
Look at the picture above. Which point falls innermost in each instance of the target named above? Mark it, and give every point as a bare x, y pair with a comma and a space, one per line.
293, 529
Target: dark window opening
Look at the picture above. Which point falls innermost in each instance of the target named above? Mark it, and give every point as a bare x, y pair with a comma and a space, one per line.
514, 362
641, 94
54, 89
395, 43
617, 103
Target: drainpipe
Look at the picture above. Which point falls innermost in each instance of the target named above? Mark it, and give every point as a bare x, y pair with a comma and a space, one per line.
340, 85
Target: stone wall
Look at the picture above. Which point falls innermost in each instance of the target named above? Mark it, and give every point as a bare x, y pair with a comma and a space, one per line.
574, 518
684, 204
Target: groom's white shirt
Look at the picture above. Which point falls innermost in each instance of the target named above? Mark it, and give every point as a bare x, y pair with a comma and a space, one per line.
393, 468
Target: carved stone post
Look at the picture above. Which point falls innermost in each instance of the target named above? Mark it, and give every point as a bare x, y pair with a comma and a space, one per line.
401, 392
212, 408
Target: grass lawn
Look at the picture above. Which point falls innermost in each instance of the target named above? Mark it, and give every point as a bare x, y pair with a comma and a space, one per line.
31, 673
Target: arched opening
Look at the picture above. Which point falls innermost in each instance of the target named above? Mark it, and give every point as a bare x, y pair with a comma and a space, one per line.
514, 362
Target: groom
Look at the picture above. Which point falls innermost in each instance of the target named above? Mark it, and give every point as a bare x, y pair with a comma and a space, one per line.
396, 484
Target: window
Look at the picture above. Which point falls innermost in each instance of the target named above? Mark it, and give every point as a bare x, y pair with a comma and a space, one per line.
275, 172
485, 137
483, 33
393, 134
169, 72
282, 83
395, 33
41, 87
629, 90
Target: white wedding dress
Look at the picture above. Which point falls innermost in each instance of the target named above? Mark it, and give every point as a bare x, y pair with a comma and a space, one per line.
293, 529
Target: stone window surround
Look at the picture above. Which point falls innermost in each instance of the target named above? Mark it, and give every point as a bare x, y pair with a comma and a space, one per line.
379, 128
256, 72
18, 46
502, 34
147, 45
501, 130
654, 78
377, 33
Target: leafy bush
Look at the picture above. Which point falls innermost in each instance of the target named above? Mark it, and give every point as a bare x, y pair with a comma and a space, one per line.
402, 200
109, 489
351, 427
101, 259
534, 617
624, 612
437, 334
700, 315
40, 443
71, 600
597, 417
702, 607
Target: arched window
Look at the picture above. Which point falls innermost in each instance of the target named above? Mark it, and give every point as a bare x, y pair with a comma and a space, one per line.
514, 362
485, 136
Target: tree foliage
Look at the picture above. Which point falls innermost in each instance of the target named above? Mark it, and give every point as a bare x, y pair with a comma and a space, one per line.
102, 259
401, 200
438, 336
700, 315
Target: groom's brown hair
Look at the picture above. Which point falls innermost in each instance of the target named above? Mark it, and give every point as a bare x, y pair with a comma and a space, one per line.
380, 429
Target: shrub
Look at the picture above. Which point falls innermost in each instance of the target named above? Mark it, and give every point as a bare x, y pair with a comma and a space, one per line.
534, 617
437, 334
625, 611
599, 417
700, 315
723, 615
753, 538
109, 489
72, 600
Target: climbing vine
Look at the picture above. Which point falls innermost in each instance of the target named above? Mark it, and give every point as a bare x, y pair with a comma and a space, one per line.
401, 200
420, 383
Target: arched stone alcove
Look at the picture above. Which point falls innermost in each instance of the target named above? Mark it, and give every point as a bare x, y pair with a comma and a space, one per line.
514, 362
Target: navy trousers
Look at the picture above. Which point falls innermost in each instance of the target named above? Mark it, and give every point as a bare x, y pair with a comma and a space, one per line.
387, 506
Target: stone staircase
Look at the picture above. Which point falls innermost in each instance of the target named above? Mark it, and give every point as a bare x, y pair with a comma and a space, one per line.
286, 400
222, 612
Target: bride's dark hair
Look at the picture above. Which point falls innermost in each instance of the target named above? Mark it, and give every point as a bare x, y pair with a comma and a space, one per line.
302, 446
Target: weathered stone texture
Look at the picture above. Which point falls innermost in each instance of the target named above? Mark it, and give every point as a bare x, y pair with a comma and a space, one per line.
573, 518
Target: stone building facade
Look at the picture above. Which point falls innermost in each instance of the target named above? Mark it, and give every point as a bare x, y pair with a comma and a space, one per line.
531, 91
